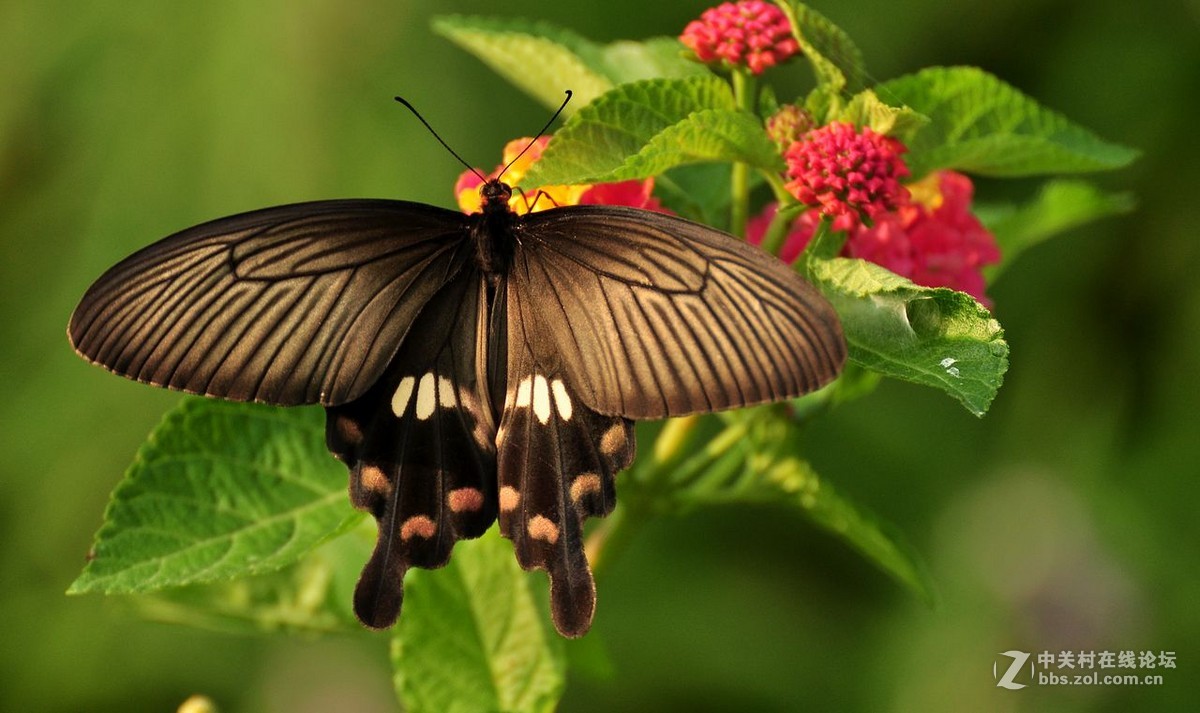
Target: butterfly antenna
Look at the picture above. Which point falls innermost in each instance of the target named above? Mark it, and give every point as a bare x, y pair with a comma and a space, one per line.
539, 134
442, 141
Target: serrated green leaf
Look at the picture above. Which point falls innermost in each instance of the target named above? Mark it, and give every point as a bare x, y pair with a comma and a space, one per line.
644, 128
543, 59
779, 475
931, 336
836, 60
312, 596
698, 191
628, 61
219, 491
865, 109
473, 637
540, 59
1060, 206
980, 124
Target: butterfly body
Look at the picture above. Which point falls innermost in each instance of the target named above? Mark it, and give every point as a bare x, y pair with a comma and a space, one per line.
473, 368
492, 232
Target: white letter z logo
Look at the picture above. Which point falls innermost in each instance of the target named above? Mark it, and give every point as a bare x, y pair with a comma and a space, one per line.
1018, 660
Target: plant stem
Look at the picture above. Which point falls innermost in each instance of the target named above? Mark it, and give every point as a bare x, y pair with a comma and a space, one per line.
777, 231
739, 179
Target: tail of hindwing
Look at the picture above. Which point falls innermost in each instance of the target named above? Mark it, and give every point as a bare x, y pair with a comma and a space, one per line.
421, 453
557, 463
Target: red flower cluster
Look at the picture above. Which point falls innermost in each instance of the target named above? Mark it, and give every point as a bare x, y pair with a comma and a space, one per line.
752, 33
934, 240
847, 174
937, 245
635, 193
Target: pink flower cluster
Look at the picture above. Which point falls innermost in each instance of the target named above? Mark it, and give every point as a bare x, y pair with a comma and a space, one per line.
848, 175
751, 33
635, 193
934, 240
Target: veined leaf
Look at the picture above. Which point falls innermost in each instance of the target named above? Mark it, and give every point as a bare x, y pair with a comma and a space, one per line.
543, 60
540, 59
835, 59
779, 475
1060, 206
754, 458
312, 596
473, 637
644, 128
654, 58
932, 336
979, 124
219, 491
865, 109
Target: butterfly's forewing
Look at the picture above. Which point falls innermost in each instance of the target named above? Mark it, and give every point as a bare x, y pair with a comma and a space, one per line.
420, 446
649, 315
296, 304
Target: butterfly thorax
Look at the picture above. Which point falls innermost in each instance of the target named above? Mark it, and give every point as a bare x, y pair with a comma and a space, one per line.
492, 230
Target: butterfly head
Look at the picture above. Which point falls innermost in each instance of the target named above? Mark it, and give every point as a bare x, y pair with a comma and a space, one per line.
496, 194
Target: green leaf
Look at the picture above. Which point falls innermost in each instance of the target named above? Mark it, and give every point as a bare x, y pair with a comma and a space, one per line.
931, 336
658, 57
779, 475
836, 60
644, 128
540, 59
312, 596
753, 457
699, 191
824, 104
474, 638
543, 60
1060, 206
219, 491
865, 109
982, 125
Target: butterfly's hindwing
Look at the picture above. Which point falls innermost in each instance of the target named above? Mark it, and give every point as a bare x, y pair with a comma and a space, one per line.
420, 448
303, 303
558, 460
651, 315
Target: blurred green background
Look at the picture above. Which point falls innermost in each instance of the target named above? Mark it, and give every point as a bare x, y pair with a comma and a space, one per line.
1065, 519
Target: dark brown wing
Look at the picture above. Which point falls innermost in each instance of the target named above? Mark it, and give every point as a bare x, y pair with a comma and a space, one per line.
297, 304
420, 445
558, 459
647, 315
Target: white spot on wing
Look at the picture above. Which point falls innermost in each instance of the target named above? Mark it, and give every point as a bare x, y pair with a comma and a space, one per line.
402, 395
561, 399
446, 397
523, 393
541, 398
426, 396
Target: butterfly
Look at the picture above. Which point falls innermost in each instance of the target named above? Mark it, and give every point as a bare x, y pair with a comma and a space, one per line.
472, 367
